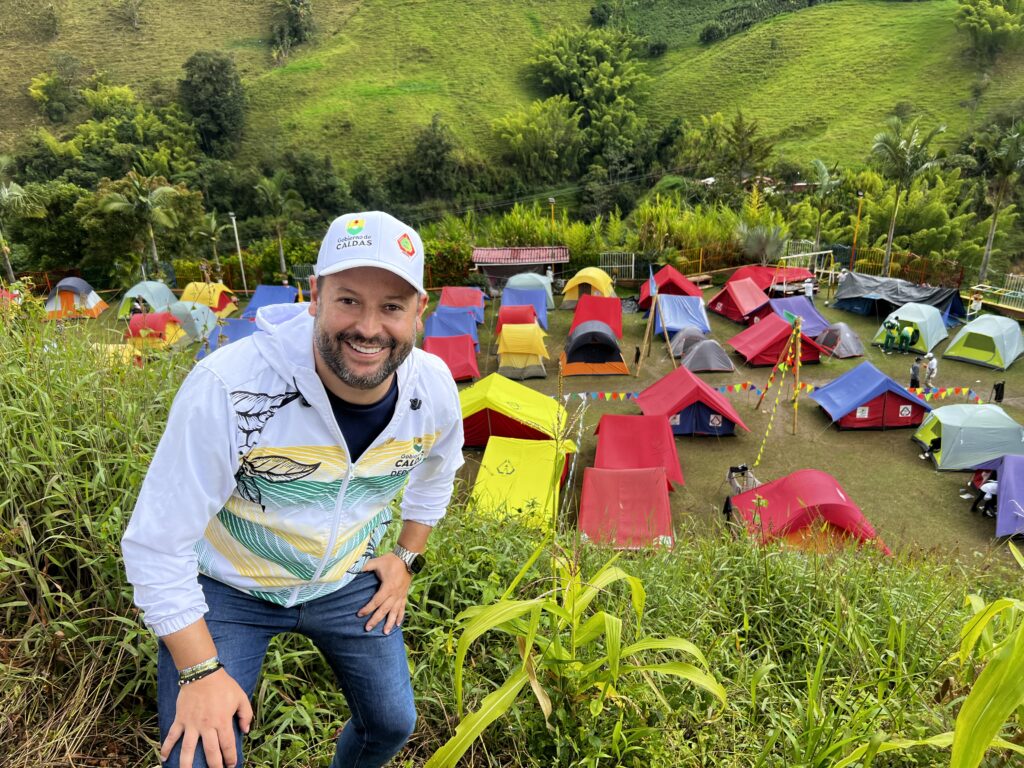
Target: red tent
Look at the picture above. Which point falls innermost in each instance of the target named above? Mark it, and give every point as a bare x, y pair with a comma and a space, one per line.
738, 300
772, 277
689, 405
458, 353
626, 508
516, 314
607, 309
671, 282
763, 342
153, 325
807, 508
637, 442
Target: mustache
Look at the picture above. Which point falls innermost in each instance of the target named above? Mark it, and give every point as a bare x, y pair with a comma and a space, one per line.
374, 341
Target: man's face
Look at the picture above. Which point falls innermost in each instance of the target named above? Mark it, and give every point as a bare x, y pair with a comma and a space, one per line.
366, 323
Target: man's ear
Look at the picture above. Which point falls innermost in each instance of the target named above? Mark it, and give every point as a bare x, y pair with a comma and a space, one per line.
313, 296
423, 300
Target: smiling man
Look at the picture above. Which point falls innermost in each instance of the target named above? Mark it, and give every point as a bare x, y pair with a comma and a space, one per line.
271, 490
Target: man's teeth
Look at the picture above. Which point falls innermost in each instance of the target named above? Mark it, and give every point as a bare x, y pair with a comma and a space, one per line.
365, 350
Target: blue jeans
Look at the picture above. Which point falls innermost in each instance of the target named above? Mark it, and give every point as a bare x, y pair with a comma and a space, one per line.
371, 667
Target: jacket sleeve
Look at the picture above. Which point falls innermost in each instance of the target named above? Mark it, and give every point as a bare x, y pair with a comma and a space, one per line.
189, 480
429, 490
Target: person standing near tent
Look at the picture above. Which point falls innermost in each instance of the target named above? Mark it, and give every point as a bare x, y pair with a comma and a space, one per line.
891, 329
915, 373
932, 369
809, 289
906, 338
271, 490
986, 500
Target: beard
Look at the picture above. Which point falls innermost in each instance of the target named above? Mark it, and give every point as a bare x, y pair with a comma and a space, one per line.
331, 350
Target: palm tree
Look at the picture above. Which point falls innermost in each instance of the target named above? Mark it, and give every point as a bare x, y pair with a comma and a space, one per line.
15, 203
825, 183
1006, 160
280, 205
210, 231
148, 200
903, 155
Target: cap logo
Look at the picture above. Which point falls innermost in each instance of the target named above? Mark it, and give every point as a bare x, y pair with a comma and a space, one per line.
355, 226
405, 246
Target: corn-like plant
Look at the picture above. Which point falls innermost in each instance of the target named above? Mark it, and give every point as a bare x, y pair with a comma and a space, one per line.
573, 656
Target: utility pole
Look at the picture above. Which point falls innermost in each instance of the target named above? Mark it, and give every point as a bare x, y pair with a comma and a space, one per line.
238, 248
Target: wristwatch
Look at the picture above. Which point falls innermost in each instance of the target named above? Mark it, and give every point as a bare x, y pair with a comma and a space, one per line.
414, 561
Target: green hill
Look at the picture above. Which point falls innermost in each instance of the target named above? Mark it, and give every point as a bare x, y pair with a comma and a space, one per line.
821, 80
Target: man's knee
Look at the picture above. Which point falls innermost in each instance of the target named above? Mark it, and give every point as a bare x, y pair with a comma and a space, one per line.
394, 729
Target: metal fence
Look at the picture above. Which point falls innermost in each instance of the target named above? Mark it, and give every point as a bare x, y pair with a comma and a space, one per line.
1008, 296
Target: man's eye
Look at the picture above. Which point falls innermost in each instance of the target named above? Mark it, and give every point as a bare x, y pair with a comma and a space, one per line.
392, 308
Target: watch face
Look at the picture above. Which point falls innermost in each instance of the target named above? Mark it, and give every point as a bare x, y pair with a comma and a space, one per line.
417, 563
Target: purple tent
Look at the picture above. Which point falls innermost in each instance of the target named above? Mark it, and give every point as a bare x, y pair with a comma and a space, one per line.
813, 322
533, 297
1010, 498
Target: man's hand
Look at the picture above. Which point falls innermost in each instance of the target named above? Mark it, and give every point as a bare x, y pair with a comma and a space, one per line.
389, 601
204, 711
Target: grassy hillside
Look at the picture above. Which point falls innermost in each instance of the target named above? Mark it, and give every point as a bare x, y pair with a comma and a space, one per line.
822, 80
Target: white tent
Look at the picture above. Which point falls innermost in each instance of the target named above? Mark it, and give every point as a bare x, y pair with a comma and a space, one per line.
925, 318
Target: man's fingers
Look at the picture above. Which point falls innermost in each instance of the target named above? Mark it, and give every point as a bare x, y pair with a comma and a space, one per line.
245, 715
172, 738
188, 748
380, 614
212, 749
227, 747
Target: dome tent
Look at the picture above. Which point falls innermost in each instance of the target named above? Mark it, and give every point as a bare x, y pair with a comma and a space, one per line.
589, 280
707, 355
592, 349
156, 295
970, 434
839, 340
990, 340
925, 319
533, 280
73, 297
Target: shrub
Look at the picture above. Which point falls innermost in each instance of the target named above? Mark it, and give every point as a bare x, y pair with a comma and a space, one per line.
712, 32
657, 48
600, 14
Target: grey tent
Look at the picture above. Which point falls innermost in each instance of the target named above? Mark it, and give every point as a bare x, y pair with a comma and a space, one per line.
969, 434
840, 341
923, 318
684, 339
156, 294
531, 280
879, 296
592, 350
707, 355
197, 320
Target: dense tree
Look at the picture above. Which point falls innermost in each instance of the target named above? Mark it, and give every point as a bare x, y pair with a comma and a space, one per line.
903, 154
210, 231
1006, 161
544, 141
280, 204
436, 168
148, 202
55, 240
992, 25
212, 93
825, 184
15, 204
746, 149
318, 184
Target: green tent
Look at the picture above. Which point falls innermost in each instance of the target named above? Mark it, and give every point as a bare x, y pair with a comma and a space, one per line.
971, 434
924, 318
990, 340
156, 295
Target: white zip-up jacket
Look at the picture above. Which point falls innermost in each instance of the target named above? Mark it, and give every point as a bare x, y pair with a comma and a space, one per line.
251, 483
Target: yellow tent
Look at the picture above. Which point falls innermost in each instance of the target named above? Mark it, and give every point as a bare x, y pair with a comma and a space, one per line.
521, 351
520, 479
497, 406
591, 280
216, 296
115, 353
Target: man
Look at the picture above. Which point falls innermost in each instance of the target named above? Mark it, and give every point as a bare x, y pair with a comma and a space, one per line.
931, 369
986, 500
270, 491
891, 327
915, 374
906, 338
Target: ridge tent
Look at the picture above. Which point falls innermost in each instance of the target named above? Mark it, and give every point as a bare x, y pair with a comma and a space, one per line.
691, 406
865, 398
840, 341
971, 433
520, 479
788, 307
707, 355
197, 320
763, 342
521, 352
533, 281
498, 406
738, 300
626, 508
808, 509
515, 315
155, 330
1010, 499
670, 282
451, 321
637, 442
593, 350
684, 340
73, 297
588, 281
270, 294
678, 312
458, 353
216, 296
460, 296
990, 340
878, 296
606, 309
773, 278
157, 296
227, 331
923, 318
536, 298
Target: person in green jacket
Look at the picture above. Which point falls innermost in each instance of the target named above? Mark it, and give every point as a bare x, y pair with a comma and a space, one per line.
906, 337
891, 328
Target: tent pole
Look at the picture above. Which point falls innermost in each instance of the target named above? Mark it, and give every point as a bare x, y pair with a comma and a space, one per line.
647, 338
795, 340
668, 341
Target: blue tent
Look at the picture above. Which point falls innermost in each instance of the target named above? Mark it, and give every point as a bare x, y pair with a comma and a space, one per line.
865, 398
232, 329
680, 312
800, 306
270, 294
533, 297
452, 321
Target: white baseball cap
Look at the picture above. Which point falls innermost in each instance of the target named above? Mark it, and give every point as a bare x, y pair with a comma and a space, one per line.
372, 239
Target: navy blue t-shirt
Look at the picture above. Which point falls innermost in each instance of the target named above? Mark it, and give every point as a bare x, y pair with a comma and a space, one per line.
360, 424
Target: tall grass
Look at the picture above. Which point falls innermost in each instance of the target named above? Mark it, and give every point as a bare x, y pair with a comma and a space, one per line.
818, 654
